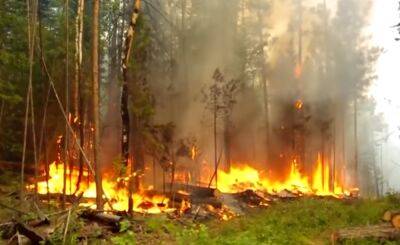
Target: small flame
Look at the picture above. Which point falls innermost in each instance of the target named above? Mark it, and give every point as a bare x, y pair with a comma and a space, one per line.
298, 104
193, 152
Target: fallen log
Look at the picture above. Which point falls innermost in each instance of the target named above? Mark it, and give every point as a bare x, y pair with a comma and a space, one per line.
103, 218
196, 191
204, 198
29, 232
383, 231
68, 198
39, 222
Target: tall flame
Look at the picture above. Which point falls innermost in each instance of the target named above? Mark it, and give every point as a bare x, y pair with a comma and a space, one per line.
246, 177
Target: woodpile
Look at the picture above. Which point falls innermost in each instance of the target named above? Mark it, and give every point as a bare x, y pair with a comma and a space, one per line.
389, 230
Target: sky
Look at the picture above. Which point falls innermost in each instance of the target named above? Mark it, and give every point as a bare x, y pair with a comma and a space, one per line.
386, 89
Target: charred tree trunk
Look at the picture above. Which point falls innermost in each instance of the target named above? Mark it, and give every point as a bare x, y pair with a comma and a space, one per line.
124, 95
96, 102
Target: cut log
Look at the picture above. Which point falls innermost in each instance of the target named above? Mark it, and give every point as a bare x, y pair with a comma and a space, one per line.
382, 231
387, 216
395, 220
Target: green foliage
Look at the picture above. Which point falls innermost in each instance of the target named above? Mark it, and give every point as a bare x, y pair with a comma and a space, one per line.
128, 238
194, 235
74, 227
124, 226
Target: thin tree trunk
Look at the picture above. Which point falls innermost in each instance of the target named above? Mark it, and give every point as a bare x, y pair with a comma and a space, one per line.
78, 85
66, 139
355, 142
227, 142
31, 16
96, 103
265, 94
215, 138
2, 110
125, 96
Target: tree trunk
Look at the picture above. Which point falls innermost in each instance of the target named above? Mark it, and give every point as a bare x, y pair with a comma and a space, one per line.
78, 85
215, 138
66, 139
355, 143
227, 143
265, 94
96, 103
124, 96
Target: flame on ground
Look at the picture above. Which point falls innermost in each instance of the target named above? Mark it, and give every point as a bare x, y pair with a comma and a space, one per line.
238, 179
246, 177
115, 191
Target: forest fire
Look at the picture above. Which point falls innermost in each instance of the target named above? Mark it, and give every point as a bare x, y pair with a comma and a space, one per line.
237, 180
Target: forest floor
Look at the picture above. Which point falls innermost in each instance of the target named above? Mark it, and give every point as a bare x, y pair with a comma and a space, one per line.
300, 221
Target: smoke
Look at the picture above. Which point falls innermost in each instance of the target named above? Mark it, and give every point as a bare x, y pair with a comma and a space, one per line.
284, 52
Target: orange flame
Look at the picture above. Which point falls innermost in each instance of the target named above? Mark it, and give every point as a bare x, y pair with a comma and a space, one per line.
246, 177
298, 104
117, 194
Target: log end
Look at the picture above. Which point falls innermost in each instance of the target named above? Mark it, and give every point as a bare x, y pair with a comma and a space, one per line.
396, 221
387, 216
